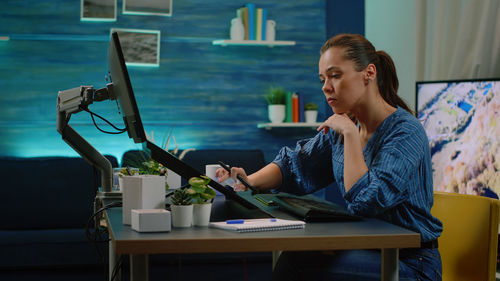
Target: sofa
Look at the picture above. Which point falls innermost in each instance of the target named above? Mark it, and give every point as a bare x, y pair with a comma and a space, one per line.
46, 204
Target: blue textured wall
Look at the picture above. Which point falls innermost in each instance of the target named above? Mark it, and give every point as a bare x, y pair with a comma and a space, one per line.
211, 96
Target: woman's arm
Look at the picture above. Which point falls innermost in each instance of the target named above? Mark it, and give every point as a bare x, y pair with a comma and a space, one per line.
354, 161
265, 179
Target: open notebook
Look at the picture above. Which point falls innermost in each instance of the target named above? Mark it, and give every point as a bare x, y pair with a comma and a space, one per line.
254, 225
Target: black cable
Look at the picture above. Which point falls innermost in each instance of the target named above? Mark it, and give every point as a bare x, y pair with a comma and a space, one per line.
99, 233
87, 231
116, 268
120, 131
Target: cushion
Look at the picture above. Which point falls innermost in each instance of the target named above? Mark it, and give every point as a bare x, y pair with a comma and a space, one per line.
47, 192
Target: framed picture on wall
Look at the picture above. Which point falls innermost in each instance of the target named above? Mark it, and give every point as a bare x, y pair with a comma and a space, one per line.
140, 47
98, 10
148, 7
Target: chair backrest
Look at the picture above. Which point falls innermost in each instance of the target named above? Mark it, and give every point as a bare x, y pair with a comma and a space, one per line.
468, 244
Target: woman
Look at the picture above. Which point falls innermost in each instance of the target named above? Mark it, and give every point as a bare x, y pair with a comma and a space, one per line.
377, 153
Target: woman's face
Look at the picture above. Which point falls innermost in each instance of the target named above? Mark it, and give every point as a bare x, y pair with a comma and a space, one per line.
343, 86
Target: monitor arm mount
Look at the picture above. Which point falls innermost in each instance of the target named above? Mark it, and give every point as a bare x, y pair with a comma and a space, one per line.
72, 101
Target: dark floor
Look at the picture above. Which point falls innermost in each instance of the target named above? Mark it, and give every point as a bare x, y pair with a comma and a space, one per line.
238, 267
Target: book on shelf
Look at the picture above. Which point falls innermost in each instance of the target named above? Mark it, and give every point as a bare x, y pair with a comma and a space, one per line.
295, 108
301, 107
243, 14
288, 107
251, 20
258, 24
255, 225
264, 23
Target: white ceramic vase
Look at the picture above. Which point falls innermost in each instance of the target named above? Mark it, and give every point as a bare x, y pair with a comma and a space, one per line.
237, 31
201, 214
270, 30
276, 113
311, 116
182, 215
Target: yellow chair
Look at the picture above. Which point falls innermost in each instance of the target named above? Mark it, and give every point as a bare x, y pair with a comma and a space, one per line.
468, 244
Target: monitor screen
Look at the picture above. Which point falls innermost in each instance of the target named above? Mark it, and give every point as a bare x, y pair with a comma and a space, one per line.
462, 122
122, 88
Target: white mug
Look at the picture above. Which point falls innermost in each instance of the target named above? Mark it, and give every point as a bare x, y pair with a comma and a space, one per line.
210, 172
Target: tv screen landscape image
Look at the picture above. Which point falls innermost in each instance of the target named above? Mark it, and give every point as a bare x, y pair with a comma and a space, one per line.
462, 122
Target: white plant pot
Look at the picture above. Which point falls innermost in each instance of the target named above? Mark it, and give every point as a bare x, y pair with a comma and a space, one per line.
182, 216
276, 113
311, 116
201, 214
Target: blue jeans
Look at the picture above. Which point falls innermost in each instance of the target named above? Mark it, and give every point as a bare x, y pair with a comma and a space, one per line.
414, 264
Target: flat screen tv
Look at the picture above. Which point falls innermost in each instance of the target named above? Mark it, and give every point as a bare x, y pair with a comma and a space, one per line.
122, 90
462, 121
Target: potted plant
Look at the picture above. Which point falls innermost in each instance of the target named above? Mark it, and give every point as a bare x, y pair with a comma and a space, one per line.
276, 100
143, 164
310, 112
182, 209
201, 193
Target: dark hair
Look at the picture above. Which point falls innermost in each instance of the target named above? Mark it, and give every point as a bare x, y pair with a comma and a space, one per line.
360, 51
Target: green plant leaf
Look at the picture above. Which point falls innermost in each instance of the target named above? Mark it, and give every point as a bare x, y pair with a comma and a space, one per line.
310, 106
208, 194
198, 189
195, 181
275, 95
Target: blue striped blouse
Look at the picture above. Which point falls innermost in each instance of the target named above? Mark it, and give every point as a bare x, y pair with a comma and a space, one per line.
398, 186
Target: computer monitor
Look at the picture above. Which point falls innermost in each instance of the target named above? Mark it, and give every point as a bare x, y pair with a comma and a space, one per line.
122, 90
124, 94
462, 121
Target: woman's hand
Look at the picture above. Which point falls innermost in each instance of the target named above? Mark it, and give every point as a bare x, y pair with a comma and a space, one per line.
223, 175
341, 123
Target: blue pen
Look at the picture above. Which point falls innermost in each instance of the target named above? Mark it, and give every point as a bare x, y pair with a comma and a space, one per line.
241, 221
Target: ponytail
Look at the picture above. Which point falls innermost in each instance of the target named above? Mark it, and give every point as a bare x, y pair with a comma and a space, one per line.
360, 51
387, 81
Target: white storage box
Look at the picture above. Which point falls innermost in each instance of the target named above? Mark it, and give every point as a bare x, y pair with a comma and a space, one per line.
142, 192
151, 220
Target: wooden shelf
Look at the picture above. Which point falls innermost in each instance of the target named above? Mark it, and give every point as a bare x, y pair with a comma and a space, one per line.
225, 42
269, 126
